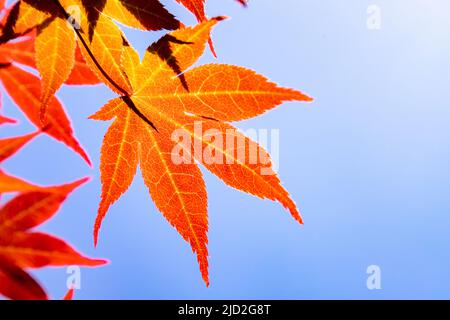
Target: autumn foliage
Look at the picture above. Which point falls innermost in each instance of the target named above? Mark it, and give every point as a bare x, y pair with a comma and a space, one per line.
79, 42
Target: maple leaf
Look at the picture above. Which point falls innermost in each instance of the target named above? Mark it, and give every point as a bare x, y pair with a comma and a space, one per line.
21, 248
167, 98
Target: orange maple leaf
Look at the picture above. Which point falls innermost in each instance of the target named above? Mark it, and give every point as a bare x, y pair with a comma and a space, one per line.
167, 98
21, 248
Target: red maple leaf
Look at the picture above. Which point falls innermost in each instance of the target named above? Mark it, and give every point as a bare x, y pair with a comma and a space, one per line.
22, 248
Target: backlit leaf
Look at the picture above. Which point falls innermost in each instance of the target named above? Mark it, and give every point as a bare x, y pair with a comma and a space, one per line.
21, 248
168, 100
55, 50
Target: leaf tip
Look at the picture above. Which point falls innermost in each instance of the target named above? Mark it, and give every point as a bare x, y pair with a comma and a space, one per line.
300, 220
300, 96
96, 236
5, 120
205, 277
81, 181
243, 3
69, 294
97, 225
220, 18
100, 262
86, 159
308, 99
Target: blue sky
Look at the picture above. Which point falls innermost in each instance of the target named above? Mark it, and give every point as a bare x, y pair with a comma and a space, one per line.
367, 163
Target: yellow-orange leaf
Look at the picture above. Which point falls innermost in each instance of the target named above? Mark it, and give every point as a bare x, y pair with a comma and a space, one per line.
166, 127
119, 159
101, 39
131, 62
102, 46
222, 92
24, 16
55, 56
178, 190
170, 56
